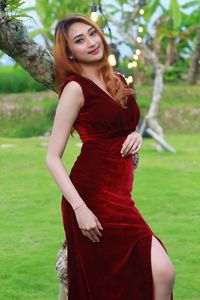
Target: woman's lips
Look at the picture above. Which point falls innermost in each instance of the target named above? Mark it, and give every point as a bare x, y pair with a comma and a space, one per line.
94, 51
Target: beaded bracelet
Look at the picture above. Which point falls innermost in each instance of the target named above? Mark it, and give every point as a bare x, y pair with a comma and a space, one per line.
79, 206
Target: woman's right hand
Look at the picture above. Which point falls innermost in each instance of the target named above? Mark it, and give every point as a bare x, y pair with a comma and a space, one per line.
88, 223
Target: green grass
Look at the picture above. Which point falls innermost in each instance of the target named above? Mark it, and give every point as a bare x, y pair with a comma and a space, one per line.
166, 192
180, 94
27, 114
179, 108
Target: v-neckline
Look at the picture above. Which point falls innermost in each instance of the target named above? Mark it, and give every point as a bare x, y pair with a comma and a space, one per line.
109, 96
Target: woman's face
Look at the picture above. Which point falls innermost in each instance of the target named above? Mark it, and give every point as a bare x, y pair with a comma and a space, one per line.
83, 39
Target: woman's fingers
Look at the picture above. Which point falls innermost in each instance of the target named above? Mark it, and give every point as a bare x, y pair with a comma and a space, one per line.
86, 234
135, 148
99, 224
92, 234
88, 224
98, 233
130, 148
126, 146
132, 144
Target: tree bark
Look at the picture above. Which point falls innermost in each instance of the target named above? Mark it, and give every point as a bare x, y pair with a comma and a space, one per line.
194, 68
151, 117
171, 53
16, 43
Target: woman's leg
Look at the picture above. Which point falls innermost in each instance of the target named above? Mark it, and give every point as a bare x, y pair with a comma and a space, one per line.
162, 270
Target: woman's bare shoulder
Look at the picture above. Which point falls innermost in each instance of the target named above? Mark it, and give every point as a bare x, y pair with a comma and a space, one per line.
72, 87
72, 92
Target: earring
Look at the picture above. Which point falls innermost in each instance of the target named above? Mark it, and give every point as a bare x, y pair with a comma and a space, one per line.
71, 57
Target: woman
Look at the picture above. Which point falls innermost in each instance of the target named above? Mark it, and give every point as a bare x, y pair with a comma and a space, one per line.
112, 252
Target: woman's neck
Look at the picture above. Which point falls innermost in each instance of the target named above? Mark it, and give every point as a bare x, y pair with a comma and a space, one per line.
90, 72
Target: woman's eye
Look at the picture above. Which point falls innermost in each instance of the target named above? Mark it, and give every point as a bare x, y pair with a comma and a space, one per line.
80, 40
77, 41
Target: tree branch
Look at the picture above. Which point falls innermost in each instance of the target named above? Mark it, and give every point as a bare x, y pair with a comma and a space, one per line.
16, 43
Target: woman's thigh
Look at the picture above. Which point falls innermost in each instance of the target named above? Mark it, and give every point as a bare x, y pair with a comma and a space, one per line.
162, 267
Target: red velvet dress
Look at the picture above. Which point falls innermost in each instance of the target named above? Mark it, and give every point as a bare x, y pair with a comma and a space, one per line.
119, 266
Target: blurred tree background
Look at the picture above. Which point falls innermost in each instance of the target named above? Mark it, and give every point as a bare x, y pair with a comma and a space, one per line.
171, 31
170, 38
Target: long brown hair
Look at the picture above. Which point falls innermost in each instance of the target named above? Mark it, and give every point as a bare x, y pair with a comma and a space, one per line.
65, 67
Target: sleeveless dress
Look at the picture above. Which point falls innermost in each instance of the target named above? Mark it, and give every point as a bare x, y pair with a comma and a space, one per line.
119, 266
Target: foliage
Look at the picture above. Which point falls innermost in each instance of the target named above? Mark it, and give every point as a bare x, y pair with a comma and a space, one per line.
17, 80
168, 30
50, 12
14, 9
173, 73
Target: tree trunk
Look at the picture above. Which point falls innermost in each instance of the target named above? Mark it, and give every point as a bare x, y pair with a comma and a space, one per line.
151, 117
16, 43
171, 53
193, 71
155, 130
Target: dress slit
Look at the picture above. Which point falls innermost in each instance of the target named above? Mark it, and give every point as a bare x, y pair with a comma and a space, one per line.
161, 243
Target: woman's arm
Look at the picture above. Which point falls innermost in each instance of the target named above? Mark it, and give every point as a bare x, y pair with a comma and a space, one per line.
67, 111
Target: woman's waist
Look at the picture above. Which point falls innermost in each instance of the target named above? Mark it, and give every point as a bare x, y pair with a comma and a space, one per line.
105, 135
103, 179
103, 146
105, 168
103, 138
104, 157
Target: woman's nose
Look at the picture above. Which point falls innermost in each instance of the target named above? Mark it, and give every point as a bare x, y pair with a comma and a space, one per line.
90, 42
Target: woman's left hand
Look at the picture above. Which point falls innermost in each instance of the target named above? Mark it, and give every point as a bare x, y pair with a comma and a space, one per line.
132, 144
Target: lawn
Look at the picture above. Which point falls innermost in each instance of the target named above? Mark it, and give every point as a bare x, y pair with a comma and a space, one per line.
166, 191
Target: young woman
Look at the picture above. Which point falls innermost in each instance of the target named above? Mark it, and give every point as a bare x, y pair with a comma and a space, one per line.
112, 252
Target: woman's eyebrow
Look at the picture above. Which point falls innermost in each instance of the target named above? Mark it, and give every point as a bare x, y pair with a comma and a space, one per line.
82, 34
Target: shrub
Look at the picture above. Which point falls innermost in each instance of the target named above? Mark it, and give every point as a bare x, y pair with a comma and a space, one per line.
17, 80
